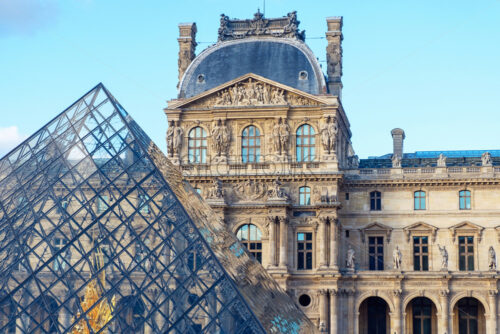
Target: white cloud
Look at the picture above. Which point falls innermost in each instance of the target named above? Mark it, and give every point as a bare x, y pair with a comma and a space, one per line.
9, 138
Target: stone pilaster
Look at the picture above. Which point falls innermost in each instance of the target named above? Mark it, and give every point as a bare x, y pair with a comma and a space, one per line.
272, 241
492, 322
444, 318
323, 263
323, 310
334, 248
283, 243
353, 319
333, 311
396, 315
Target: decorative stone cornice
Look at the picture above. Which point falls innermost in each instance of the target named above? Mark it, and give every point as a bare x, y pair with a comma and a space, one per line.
466, 228
420, 227
374, 228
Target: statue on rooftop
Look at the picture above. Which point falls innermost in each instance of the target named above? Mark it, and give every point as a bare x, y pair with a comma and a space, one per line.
441, 161
486, 159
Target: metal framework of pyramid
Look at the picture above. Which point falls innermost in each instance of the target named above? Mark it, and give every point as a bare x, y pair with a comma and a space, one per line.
99, 234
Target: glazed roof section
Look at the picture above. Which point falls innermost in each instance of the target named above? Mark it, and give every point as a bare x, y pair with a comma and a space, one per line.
429, 159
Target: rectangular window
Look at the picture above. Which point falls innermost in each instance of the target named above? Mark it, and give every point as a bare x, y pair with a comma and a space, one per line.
464, 196
375, 201
419, 200
304, 251
59, 260
421, 253
466, 253
376, 253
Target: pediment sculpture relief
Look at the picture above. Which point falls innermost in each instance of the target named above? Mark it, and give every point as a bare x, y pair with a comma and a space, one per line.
252, 93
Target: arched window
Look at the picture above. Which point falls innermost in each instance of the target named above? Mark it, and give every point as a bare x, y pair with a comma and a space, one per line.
130, 310
250, 236
197, 145
306, 141
250, 144
304, 196
375, 201
464, 196
419, 200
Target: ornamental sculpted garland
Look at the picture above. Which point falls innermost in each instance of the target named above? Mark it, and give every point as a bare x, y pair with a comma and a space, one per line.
252, 93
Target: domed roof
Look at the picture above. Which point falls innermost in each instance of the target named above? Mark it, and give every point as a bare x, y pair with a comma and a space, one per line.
284, 60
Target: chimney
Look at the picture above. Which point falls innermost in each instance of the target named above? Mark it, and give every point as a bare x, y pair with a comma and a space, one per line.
334, 55
187, 46
398, 136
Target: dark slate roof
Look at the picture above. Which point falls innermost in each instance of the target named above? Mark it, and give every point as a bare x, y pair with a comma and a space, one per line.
429, 159
278, 59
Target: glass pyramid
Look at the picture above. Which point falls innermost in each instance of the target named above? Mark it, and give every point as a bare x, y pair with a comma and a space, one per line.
99, 234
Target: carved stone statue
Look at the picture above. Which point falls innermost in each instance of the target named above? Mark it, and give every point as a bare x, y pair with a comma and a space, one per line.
280, 135
177, 138
492, 259
350, 258
486, 159
397, 257
170, 138
215, 192
444, 257
441, 161
329, 132
396, 161
221, 137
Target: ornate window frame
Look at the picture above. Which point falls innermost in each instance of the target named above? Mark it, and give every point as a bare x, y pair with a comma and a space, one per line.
420, 229
465, 229
374, 230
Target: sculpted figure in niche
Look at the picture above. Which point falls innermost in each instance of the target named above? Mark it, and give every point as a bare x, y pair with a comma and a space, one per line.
177, 138
221, 137
170, 138
441, 161
280, 135
444, 257
216, 192
492, 259
276, 191
396, 161
329, 132
397, 257
349, 262
486, 159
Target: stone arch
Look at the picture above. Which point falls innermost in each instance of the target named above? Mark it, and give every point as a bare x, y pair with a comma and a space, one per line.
474, 294
304, 122
381, 294
239, 224
430, 295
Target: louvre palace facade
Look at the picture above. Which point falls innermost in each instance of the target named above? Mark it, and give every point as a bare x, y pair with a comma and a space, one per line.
401, 243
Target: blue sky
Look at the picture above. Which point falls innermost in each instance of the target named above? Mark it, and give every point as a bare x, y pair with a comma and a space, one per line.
429, 67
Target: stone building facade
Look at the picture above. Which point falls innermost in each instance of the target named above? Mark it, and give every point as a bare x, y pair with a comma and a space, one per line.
402, 243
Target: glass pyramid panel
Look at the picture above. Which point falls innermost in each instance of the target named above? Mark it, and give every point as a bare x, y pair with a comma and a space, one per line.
99, 234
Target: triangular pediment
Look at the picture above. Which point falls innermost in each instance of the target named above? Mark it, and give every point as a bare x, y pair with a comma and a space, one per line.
420, 227
376, 228
249, 90
466, 228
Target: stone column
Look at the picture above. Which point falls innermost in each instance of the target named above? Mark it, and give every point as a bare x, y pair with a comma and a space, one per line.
333, 311
323, 246
283, 243
492, 327
334, 252
272, 241
444, 319
396, 315
352, 321
323, 310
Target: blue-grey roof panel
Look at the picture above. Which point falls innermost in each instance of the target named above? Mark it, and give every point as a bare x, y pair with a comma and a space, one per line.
278, 61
